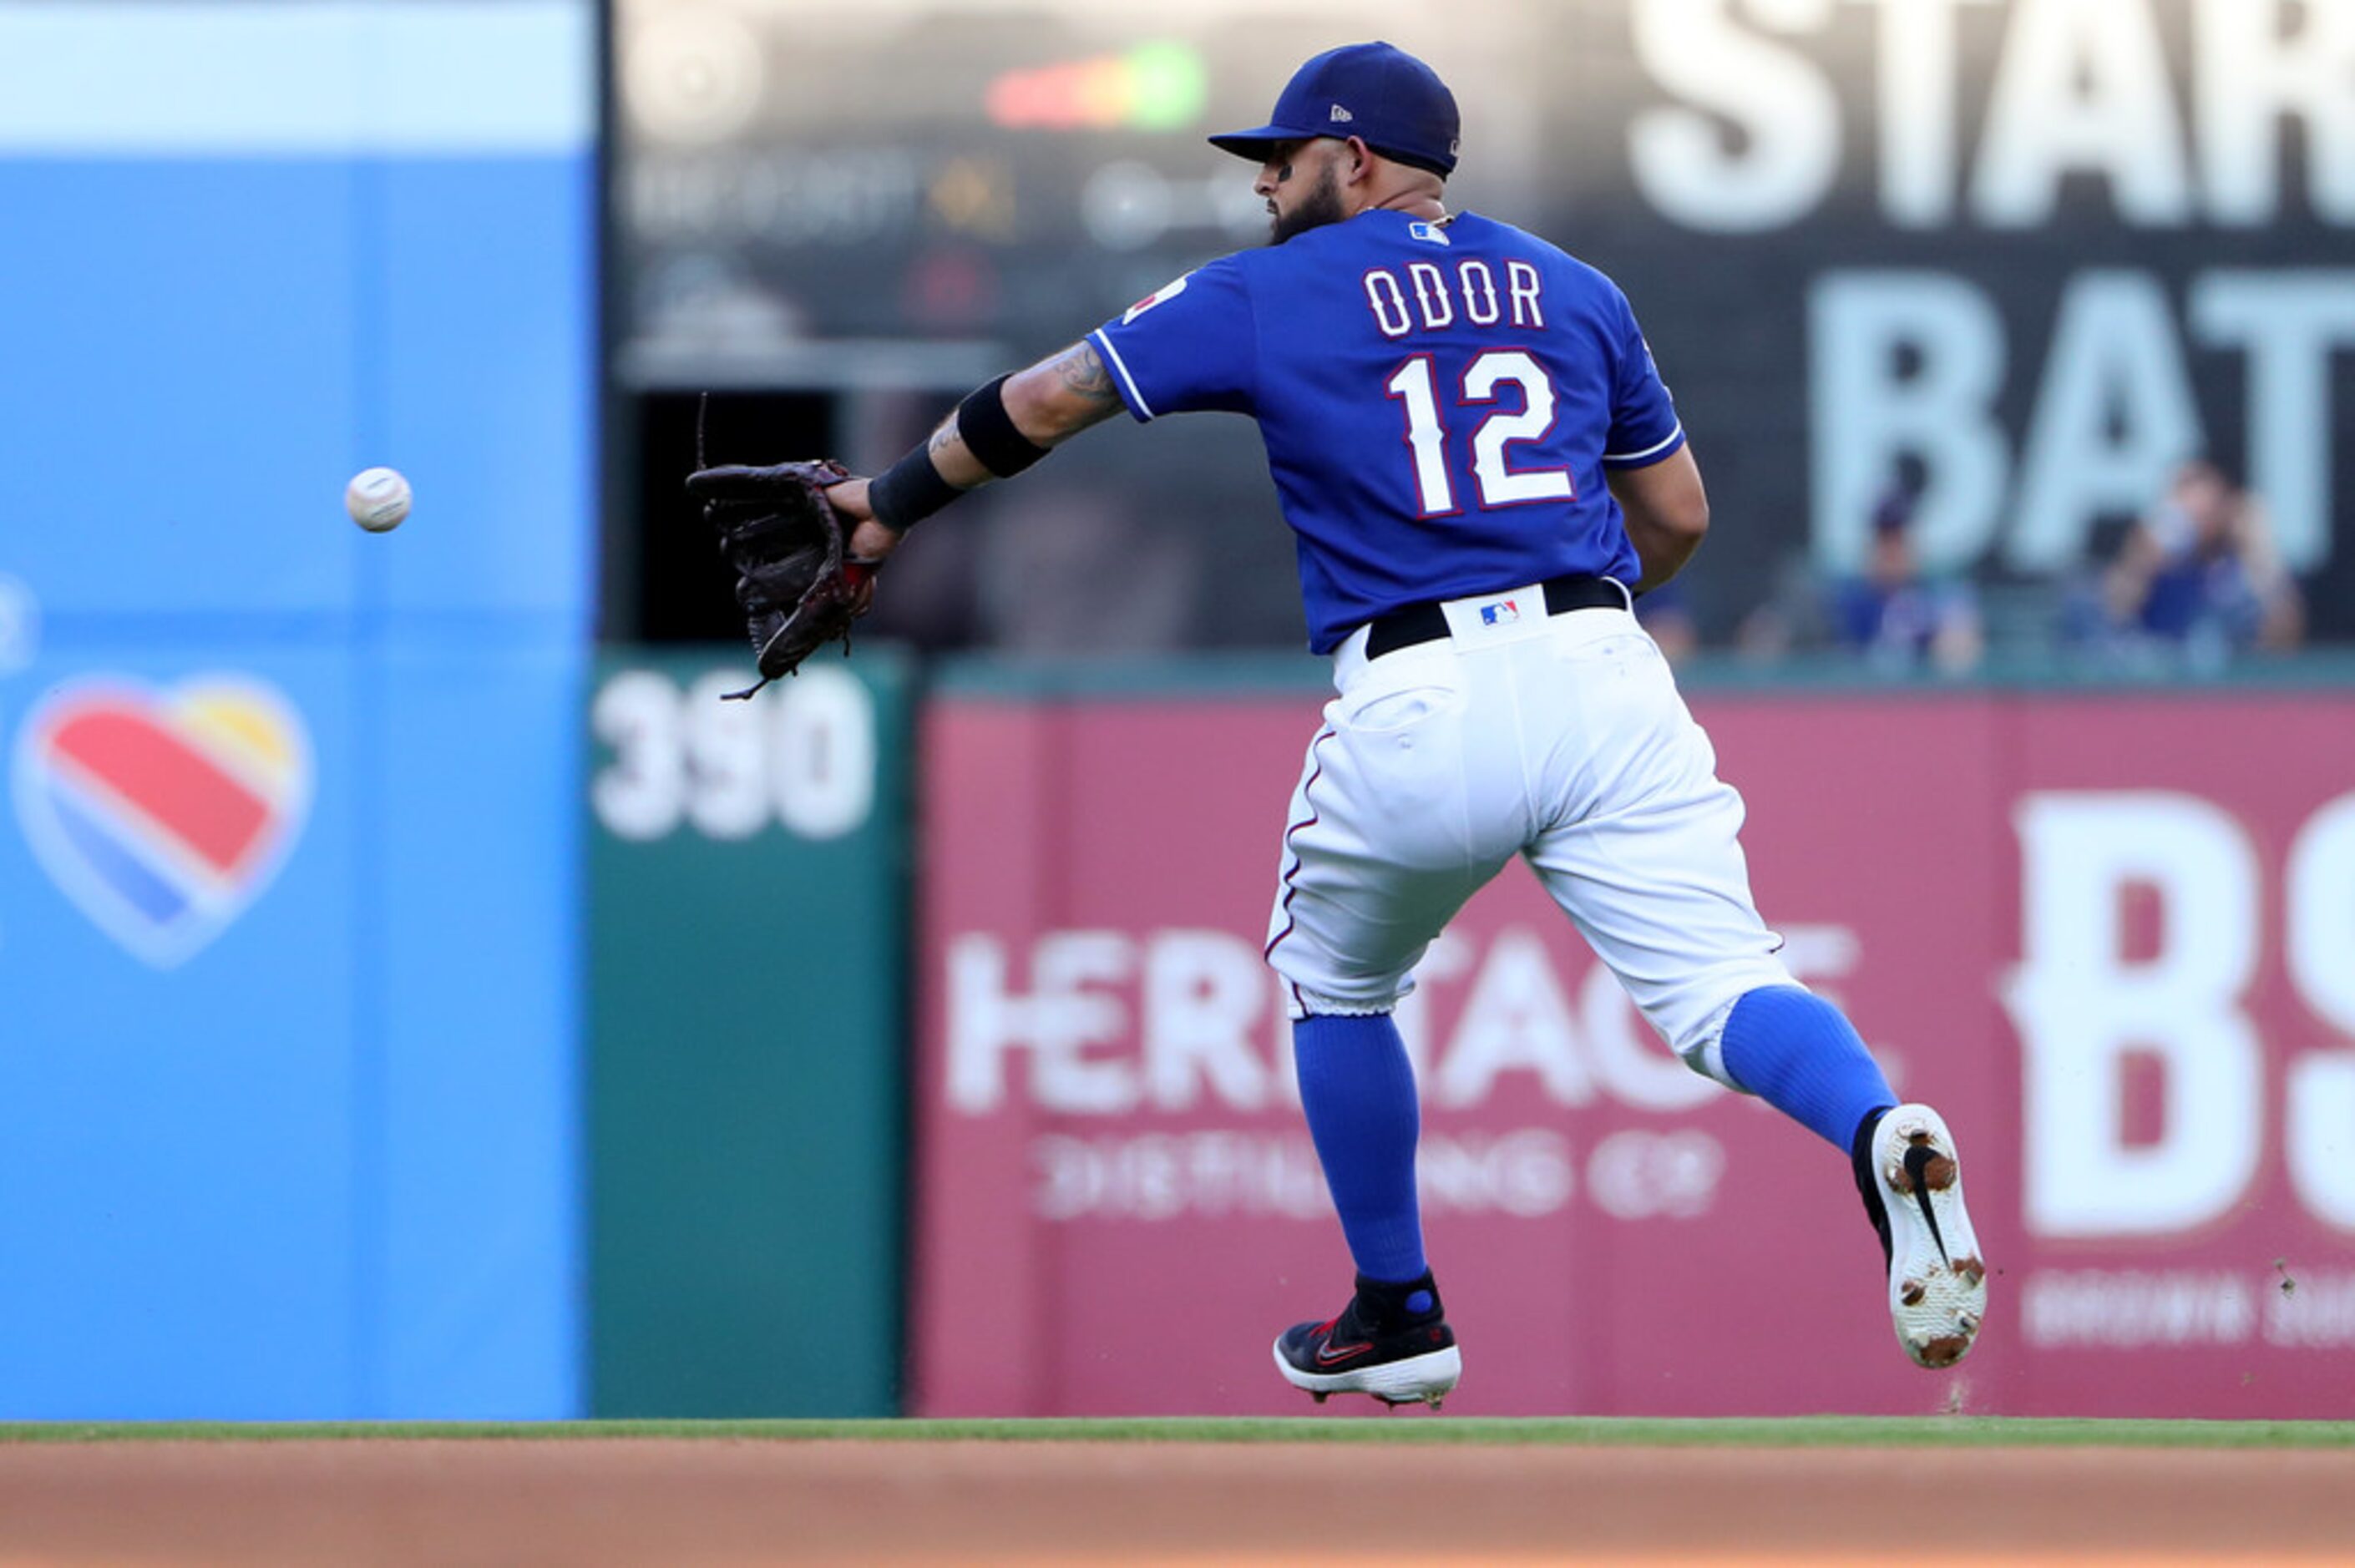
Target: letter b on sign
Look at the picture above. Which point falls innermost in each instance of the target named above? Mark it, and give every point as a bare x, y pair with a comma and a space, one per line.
2084, 1009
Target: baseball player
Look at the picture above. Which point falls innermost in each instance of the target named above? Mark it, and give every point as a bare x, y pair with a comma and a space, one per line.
1482, 467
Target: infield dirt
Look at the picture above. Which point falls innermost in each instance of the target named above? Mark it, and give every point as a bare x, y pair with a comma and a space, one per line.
733, 1502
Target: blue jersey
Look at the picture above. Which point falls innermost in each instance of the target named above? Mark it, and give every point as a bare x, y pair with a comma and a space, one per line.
1439, 401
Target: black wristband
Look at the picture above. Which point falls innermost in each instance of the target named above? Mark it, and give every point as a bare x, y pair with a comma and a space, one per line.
989, 433
909, 492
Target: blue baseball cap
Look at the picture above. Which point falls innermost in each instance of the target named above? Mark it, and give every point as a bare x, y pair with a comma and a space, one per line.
1376, 92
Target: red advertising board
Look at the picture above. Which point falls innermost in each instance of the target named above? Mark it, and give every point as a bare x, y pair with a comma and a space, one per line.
2112, 939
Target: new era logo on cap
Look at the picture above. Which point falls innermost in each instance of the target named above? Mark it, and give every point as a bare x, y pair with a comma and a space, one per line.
1340, 114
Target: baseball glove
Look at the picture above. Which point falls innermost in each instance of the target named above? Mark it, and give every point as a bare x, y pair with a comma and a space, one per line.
799, 588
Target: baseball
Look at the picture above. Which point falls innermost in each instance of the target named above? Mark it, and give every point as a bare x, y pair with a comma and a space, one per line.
377, 499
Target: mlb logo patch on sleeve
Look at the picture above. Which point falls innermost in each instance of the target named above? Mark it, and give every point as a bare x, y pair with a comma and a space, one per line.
1164, 293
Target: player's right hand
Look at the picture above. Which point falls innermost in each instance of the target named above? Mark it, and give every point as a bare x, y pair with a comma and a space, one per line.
869, 540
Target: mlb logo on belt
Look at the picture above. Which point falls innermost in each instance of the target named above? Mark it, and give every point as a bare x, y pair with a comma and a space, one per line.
1504, 612
161, 813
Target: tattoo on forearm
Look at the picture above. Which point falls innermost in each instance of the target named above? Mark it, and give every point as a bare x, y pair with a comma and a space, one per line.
1083, 372
943, 434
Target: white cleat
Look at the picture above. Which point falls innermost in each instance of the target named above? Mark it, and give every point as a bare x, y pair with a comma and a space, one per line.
1937, 1281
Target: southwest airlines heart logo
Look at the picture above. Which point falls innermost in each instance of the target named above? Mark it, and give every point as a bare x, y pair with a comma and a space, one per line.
163, 813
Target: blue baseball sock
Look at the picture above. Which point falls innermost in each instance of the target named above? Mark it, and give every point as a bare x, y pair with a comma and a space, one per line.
1358, 1091
1800, 1054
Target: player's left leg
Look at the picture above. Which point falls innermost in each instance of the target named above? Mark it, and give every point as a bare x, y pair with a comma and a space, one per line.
1800, 1054
1650, 868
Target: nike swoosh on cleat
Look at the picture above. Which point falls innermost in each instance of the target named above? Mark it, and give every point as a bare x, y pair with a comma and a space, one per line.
1327, 1355
1917, 1161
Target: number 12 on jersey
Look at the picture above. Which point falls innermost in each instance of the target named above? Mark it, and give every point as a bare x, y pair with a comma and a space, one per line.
1415, 384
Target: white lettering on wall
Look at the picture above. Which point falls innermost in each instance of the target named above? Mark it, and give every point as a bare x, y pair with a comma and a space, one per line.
2114, 415
2128, 1308
1786, 157
2289, 323
802, 755
2077, 88
1524, 1172
1092, 1023
1054, 1022
1203, 991
1868, 411
1917, 78
1637, 1174
2319, 929
2077, 104
2083, 1010
2082, 88
2256, 74
2320, 1313
1912, 364
2320, 934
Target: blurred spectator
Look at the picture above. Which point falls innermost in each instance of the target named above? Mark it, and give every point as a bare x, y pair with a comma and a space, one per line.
1894, 615
2201, 571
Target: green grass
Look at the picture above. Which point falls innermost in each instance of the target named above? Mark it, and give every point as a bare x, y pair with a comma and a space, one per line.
1803, 1432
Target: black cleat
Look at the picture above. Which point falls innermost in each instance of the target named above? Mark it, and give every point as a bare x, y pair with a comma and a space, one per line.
1377, 1346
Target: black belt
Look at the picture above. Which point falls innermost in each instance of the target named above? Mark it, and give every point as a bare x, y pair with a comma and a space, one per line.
1428, 623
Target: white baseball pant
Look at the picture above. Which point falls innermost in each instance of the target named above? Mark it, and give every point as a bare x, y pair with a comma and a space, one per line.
1560, 739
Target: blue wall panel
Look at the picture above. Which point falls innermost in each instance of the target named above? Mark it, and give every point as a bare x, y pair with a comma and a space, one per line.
178, 410
490, 381
288, 859
481, 759
177, 1144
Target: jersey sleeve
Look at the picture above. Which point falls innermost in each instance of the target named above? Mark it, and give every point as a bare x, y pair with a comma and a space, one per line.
1644, 429
1191, 346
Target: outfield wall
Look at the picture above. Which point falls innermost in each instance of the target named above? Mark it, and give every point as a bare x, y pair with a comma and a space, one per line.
747, 880
289, 877
2110, 935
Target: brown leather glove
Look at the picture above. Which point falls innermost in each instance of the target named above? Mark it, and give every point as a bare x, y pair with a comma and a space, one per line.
795, 578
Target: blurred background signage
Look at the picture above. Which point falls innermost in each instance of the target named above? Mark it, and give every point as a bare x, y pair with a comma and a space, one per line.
2011, 258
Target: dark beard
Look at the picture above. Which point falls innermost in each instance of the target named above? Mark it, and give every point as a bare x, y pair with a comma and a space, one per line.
1318, 208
